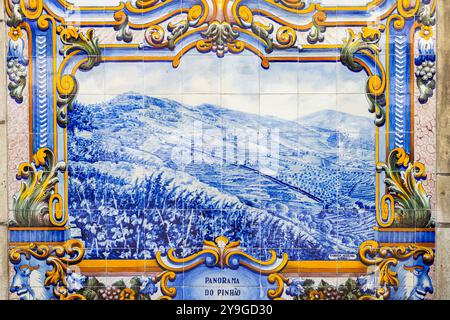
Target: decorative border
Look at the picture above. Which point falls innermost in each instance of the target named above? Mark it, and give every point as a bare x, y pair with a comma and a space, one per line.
59, 257
220, 254
387, 257
222, 27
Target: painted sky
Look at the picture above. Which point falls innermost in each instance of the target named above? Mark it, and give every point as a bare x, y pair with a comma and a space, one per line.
285, 90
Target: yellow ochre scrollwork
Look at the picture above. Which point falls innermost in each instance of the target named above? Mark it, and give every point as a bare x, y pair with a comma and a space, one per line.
32, 9
294, 4
122, 28
146, 3
34, 204
406, 204
225, 22
220, 23
59, 257
221, 27
408, 8
365, 43
280, 281
221, 253
74, 42
317, 31
385, 258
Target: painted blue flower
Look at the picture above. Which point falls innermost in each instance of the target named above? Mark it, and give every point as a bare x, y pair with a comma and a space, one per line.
366, 283
295, 288
147, 287
74, 281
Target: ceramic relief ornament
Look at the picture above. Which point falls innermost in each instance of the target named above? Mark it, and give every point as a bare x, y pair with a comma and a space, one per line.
42, 272
16, 62
165, 178
426, 60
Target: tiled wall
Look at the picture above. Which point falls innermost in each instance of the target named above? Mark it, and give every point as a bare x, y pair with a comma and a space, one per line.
209, 149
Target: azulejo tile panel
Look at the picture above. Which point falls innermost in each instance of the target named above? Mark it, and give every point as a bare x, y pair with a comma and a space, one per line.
235, 149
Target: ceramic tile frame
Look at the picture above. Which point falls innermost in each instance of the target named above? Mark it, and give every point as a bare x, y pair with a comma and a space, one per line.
48, 22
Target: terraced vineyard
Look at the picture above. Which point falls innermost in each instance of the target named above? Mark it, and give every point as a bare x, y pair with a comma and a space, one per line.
137, 160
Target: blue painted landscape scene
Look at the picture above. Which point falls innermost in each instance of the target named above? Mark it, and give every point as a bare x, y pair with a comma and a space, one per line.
164, 174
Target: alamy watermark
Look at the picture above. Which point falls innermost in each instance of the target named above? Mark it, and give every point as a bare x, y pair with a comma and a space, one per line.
257, 149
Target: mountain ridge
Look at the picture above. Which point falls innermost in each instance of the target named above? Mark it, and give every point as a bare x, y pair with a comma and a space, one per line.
325, 118
336, 120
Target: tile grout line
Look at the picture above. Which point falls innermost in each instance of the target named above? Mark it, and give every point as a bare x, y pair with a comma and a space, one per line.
443, 225
4, 267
